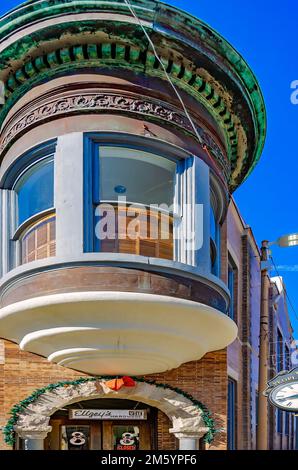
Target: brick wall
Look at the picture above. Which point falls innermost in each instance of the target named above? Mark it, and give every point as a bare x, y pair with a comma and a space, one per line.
21, 373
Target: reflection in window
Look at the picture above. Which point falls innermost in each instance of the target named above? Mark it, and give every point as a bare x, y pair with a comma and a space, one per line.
126, 437
280, 352
35, 190
39, 241
279, 421
142, 177
232, 286
214, 243
74, 437
231, 428
142, 180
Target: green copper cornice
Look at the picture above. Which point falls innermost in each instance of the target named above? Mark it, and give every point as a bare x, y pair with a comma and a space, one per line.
238, 93
105, 56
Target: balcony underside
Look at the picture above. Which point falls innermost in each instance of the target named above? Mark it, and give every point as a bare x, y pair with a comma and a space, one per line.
116, 332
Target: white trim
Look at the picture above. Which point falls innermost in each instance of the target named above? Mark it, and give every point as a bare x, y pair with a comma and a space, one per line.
69, 194
233, 374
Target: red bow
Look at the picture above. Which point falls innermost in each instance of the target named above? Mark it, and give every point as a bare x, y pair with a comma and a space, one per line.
116, 384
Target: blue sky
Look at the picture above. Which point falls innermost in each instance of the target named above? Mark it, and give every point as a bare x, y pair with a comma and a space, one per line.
265, 33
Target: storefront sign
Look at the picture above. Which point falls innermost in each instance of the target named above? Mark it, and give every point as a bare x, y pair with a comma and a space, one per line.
108, 414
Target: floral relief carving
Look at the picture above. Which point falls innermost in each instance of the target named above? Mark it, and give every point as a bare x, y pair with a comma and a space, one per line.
100, 102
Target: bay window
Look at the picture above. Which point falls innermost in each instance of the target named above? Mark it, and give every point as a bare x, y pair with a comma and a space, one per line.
140, 198
145, 198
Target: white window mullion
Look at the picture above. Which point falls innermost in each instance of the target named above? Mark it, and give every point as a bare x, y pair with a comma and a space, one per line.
6, 230
202, 214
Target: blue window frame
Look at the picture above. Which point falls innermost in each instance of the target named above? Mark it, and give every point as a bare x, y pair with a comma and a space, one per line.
231, 428
232, 286
113, 170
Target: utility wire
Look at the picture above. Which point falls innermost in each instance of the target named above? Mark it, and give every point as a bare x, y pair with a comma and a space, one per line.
129, 6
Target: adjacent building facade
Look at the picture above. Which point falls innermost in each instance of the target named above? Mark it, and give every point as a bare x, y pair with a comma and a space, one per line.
130, 286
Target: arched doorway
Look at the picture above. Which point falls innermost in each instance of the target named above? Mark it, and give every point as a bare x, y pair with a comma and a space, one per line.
104, 424
189, 420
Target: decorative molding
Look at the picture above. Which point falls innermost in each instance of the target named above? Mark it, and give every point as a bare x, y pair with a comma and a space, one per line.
184, 43
78, 57
33, 414
92, 102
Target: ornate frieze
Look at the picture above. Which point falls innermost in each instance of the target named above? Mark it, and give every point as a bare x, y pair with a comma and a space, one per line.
100, 102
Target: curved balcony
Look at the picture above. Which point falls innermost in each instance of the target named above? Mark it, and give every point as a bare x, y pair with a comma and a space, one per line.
116, 332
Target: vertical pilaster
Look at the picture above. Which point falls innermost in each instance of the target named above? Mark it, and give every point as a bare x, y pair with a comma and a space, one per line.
7, 219
69, 195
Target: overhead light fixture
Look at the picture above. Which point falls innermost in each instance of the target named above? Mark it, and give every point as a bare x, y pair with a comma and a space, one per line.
120, 189
288, 240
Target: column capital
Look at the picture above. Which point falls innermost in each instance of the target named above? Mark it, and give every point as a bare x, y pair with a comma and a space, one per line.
189, 438
188, 435
33, 434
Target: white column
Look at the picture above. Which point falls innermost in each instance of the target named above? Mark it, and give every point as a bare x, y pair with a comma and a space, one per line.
188, 441
69, 195
34, 440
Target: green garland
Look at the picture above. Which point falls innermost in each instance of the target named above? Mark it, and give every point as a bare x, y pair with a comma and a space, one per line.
9, 433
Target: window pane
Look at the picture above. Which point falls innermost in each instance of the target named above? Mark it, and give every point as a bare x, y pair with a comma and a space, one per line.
215, 240
280, 356
141, 177
126, 437
213, 225
231, 431
279, 421
75, 437
231, 286
35, 190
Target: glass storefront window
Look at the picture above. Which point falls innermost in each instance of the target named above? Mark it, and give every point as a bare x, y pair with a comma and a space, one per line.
126, 437
75, 437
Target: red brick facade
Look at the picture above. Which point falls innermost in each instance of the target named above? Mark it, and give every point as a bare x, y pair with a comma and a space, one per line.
21, 373
206, 380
